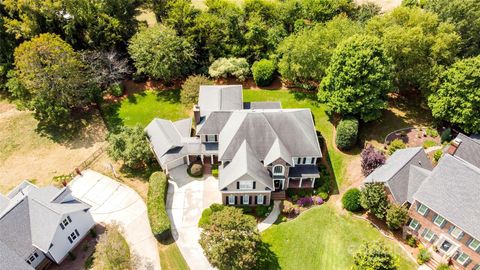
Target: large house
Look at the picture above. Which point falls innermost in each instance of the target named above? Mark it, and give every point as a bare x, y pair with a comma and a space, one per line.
444, 202
40, 225
261, 149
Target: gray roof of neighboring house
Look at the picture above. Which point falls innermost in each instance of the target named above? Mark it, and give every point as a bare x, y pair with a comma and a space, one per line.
15, 228
184, 127
214, 123
262, 105
244, 164
220, 98
10, 260
415, 179
469, 149
395, 172
304, 171
294, 128
4, 201
452, 191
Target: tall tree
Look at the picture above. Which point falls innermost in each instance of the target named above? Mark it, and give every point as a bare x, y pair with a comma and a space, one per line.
358, 79
418, 42
456, 96
7, 45
54, 77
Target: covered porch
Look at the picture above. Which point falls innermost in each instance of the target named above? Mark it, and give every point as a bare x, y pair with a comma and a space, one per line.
303, 176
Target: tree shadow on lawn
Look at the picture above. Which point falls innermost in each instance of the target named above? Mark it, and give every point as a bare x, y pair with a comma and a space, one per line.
141, 173
111, 116
267, 259
170, 95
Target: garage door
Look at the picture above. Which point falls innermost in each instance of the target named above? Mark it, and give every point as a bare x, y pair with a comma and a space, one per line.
176, 163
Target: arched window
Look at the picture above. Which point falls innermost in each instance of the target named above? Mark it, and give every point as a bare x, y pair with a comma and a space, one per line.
278, 170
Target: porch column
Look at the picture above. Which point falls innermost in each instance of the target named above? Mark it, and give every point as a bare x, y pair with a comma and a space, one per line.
313, 182
300, 185
188, 160
201, 157
211, 159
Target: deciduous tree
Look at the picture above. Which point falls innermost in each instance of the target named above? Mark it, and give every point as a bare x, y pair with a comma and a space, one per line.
397, 216
374, 256
190, 88
371, 159
374, 199
130, 146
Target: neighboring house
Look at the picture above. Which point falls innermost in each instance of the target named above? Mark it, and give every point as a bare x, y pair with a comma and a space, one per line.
40, 225
445, 203
261, 148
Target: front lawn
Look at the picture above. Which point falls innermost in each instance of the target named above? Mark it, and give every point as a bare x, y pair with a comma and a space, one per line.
320, 238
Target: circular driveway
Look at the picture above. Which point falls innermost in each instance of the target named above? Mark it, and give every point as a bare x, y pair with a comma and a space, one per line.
111, 202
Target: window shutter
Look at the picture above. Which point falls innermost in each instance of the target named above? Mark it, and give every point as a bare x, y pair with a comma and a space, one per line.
70, 239
254, 184
216, 138
424, 232
61, 225
249, 199
461, 236
434, 216
76, 232
235, 199
451, 229
238, 185
69, 219
256, 198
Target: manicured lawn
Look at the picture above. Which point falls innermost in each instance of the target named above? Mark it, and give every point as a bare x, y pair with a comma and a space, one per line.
171, 257
320, 238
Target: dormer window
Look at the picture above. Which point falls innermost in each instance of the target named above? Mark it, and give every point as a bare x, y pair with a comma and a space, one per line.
65, 222
278, 170
211, 138
32, 258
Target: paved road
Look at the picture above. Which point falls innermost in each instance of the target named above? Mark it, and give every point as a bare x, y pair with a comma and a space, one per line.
114, 202
186, 199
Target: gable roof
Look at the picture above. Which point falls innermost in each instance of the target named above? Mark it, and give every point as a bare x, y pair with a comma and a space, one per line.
469, 149
165, 135
244, 164
214, 123
452, 191
10, 260
256, 105
278, 150
220, 98
293, 128
415, 179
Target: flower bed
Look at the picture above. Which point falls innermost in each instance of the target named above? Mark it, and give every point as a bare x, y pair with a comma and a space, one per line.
291, 209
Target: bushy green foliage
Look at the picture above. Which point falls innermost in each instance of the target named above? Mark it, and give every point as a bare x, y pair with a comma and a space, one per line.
423, 256
191, 87
156, 196
412, 241
437, 155
347, 132
263, 71
457, 97
262, 210
358, 78
374, 256
397, 216
116, 89
443, 266
427, 144
431, 132
207, 213
229, 232
351, 200
215, 170
446, 135
374, 199
396, 145
160, 54
229, 67
367, 11
129, 145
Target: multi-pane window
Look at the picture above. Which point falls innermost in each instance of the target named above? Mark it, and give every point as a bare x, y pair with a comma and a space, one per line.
32, 258
429, 235
414, 225
474, 244
231, 199
439, 221
304, 160
65, 222
278, 170
422, 209
74, 235
260, 199
463, 258
246, 185
211, 138
456, 232
246, 199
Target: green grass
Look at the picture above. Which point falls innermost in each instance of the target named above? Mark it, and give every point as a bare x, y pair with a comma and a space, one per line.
171, 257
320, 238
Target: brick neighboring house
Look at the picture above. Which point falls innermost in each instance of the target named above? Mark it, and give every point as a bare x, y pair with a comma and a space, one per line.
444, 204
261, 149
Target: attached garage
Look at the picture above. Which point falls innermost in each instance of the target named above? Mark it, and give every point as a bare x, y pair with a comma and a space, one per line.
176, 163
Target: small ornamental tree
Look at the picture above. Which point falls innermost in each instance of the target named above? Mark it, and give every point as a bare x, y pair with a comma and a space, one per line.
190, 88
397, 216
229, 67
371, 159
130, 146
351, 200
347, 131
374, 199
112, 251
263, 71
396, 145
231, 240
374, 256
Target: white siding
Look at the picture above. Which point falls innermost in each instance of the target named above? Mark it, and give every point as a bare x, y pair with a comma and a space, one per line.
175, 163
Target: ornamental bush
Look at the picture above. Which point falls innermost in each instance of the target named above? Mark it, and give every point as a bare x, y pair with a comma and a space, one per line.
437, 155
374, 256
443, 266
351, 200
374, 199
263, 71
423, 256
396, 145
195, 170
371, 159
397, 216
347, 131
229, 67
157, 213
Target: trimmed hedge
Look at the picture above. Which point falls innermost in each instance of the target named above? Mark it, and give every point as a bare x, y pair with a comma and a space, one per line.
347, 132
395, 145
351, 200
157, 214
263, 71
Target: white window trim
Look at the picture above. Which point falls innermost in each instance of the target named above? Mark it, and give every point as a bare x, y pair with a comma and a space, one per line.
431, 233
436, 218
416, 226
471, 242
260, 199
278, 166
249, 185
231, 200
420, 211
462, 262
212, 137
456, 229
247, 197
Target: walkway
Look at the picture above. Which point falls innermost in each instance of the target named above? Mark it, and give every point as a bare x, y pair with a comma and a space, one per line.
112, 201
186, 199
272, 217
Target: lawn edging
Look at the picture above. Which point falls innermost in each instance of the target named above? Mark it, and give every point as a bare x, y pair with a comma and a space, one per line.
157, 213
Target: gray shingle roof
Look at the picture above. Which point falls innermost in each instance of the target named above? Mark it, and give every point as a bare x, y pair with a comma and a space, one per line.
304, 171
262, 105
294, 128
15, 230
244, 164
165, 135
469, 149
395, 172
278, 150
220, 98
416, 177
452, 190
10, 260
214, 123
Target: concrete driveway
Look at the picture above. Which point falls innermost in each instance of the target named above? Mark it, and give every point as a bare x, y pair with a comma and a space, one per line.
186, 199
112, 201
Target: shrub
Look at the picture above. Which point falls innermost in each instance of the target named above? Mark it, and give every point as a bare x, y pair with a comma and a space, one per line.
262, 210
443, 267
423, 256
446, 135
347, 131
432, 132
205, 218
195, 170
93, 232
437, 155
287, 207
217, 207
263, 72
129, 145
229, 67
157, 214
317, 200
215, 170
371, 159
395, 145
374, 256
116, 89
305, 201
323, 195
71, 256
88, 262
428, 144
374, 199
351, 200
397, 216
191, 87
412, 241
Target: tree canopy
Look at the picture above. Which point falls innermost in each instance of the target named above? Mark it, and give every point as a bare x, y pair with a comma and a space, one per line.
374, 199
374, 256
129, 145
358, 79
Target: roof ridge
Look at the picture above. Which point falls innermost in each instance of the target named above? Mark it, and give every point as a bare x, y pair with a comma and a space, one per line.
44, 205
408, 161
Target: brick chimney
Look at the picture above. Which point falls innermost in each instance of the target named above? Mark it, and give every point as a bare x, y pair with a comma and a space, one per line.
454, 146
196, 114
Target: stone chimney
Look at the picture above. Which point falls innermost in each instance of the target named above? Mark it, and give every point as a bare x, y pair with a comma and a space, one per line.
196, 114
454, 146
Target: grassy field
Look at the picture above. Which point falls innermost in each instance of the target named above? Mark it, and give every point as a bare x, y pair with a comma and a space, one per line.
320, 238
171, 257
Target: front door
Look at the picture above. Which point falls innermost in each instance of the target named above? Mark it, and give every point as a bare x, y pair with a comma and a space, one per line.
445, 247
278, 184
